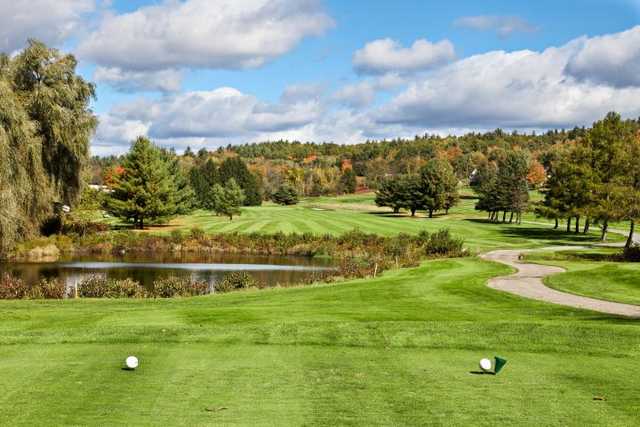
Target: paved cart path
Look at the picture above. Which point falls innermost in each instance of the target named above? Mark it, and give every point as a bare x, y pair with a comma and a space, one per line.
527, 282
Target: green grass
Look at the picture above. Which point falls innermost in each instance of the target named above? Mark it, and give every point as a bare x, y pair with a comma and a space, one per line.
338, 215
396, 350
612, 281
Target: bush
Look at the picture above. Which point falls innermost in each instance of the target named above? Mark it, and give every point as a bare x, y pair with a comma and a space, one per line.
175, 236
234, 281
442, 243
632, 253
48, 289
172, 286
197, 233
12, 287
100, 287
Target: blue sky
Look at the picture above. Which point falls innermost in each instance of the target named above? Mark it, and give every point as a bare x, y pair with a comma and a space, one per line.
204, 73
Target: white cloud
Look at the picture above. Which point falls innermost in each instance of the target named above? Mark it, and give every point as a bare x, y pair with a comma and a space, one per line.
523, 89
513, 90
301, 93
130, 81
387, 55
222, 34
363, 93
218, 115
610, 59
504, 26
50, 21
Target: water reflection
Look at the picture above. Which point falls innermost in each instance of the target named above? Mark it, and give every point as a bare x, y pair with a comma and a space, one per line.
270, 270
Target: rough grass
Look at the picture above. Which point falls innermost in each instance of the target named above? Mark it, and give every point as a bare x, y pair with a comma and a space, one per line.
396, 350
592, 274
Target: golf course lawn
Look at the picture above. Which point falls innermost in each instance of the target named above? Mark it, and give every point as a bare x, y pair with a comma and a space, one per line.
337, 215
396, 350
612, 281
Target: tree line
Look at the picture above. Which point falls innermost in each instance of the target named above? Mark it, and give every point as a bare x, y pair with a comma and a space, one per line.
596, 179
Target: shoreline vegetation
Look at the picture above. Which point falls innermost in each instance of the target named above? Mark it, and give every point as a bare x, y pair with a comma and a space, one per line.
356, 255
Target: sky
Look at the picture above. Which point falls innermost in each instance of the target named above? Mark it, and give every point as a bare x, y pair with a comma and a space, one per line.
207, 73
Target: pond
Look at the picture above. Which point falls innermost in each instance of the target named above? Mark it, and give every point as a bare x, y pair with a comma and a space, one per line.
269, 270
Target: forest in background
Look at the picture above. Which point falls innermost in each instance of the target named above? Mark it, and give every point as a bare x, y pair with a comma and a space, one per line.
587, 175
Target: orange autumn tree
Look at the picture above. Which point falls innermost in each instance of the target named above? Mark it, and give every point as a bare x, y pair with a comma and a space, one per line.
536, 175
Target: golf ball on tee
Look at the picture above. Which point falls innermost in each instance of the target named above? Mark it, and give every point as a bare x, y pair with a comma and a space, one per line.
132, 362
485, 364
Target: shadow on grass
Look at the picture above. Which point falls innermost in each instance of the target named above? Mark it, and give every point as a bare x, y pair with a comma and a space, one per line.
532, 232
419, 215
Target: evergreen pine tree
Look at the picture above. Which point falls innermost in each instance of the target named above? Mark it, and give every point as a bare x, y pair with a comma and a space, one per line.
146, 190
228, 199
285, 195
235, 168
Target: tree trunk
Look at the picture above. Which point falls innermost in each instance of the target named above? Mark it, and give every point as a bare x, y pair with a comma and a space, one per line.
396, 210
413, 211
557, 224
577, 224
630, 238
511, 218
587, 224
569, 225
605, 228
430, 213
504, 216
141, 223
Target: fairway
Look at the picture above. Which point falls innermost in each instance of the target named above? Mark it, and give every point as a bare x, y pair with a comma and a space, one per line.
398, 349
338, 215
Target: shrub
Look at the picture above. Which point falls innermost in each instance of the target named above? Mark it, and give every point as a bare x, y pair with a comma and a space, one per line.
197, 233
12, 287
632, 253
48, 289
442, 243
234, 281
172, 286
175, 236
100, 287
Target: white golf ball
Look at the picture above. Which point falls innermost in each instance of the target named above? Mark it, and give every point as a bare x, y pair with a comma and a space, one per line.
132, 362
485, 365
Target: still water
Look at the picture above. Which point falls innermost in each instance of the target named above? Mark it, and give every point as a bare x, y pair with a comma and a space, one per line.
270, 270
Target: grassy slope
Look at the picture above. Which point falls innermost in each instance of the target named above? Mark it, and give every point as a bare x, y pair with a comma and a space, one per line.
394, 350
613, 281
341, 214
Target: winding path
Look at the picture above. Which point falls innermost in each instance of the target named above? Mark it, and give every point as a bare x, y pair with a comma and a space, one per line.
527, 282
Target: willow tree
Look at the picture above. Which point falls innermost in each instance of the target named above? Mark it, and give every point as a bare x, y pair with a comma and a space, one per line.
45, 128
